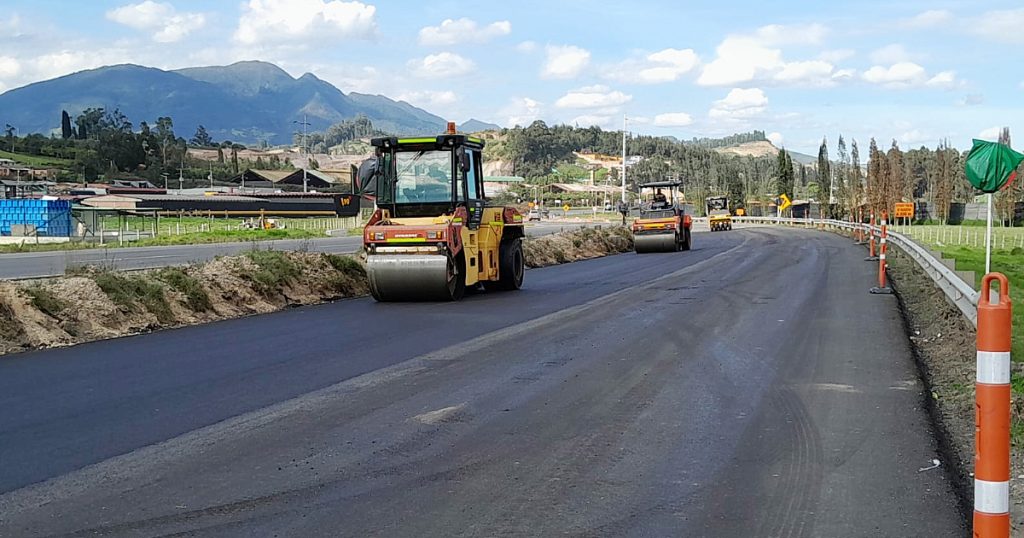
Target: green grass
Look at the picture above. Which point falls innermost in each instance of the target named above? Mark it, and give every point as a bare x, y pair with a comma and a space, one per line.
135, 291
37, 161
1010, 263
195, 238
275, 270
1003, 261
346, 264
195, 294
46, 247
224, 236
973, 236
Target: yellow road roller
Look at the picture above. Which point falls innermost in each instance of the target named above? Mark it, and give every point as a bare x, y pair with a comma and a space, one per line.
662, 225
433, 234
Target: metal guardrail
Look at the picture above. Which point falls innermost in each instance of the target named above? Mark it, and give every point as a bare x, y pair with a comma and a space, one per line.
959, 292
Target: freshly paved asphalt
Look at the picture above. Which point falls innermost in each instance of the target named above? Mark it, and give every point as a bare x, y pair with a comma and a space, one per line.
53, 263
750, 387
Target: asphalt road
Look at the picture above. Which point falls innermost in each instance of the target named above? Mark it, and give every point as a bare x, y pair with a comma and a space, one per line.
750, 387
44, 264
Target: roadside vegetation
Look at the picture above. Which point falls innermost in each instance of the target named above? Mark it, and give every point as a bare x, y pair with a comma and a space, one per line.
97, 302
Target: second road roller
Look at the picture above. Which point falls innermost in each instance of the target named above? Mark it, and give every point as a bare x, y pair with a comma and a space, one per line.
433, 233
662, 225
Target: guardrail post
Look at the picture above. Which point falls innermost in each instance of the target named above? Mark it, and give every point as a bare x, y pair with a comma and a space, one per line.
992, 412
882, 288
872, 257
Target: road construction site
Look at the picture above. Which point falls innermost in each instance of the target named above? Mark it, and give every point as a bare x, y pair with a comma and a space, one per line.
748, 387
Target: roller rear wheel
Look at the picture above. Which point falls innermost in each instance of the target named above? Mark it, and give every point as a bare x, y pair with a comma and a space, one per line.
511, 266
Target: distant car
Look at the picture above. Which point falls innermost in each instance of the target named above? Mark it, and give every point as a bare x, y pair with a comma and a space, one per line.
609, 207
533, 215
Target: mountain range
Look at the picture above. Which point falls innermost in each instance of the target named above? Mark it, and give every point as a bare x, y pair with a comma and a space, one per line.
243, 102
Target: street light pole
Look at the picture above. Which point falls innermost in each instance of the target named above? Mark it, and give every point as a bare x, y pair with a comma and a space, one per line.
304, 123
624, 120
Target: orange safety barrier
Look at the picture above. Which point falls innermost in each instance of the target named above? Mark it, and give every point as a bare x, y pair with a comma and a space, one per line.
860, 226
883, 248
871, 241
992, 412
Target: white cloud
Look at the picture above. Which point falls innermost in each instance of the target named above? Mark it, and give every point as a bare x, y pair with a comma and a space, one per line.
740, 59
592, 120
928, 19
522, 111
673, 119
352, 78
9, 68
739, 104
12, 26
945, 79
797, 34
837, 55
666, 65
1002, 25
455, 31
593, 97
744, 59
776, 139
909, 75
892, 54
441, 65
971, 99
165, 23
915, 137
427, 98
566, 61
304, 21
812, 72
527, 47
992, 133
901, 74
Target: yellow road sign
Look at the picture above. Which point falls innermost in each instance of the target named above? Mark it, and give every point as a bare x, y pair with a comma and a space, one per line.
565, 207
786, 202
904, 210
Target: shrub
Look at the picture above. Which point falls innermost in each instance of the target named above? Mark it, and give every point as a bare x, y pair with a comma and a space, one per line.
196, 297
46, 301
133, 291
275, 270
346, 264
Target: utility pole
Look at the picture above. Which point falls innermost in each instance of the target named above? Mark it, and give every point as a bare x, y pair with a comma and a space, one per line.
304, 124
181, 176
624, 120
211, 175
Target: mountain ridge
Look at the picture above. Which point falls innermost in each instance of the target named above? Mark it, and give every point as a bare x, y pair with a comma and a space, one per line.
250, 101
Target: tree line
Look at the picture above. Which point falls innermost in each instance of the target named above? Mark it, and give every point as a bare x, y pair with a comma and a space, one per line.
934, 177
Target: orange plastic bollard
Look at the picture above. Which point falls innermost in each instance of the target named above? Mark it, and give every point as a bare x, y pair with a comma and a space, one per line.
872, 257
883, 248
992, 412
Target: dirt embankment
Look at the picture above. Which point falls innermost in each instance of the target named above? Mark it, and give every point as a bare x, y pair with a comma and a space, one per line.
577, 245
944, 343
95, 304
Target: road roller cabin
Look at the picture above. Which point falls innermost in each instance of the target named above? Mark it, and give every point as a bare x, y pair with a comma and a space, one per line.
662, 225
433, 234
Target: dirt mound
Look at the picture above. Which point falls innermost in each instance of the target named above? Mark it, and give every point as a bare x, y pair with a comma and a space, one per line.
95, 303
580, 244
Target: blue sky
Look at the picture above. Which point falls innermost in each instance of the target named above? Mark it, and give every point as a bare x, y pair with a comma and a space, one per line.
912, 71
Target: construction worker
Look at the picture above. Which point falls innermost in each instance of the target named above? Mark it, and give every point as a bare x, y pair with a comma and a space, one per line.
624, 210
